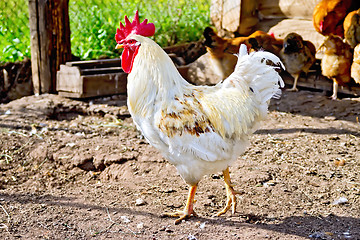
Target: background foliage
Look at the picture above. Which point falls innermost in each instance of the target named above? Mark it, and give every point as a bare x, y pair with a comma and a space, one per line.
93, 24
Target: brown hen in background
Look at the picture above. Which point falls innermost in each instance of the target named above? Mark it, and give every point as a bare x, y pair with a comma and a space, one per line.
355, 67
352, 28
336, 62
297, 55
328, 16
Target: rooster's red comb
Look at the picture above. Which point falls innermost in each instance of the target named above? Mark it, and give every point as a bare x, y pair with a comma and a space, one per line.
145, 29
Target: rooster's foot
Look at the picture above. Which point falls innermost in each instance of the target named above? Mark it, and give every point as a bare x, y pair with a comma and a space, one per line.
189, 208
293, 89
231, 202
181, 215
231, 194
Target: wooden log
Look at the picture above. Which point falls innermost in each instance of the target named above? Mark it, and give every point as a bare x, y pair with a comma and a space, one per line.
35, 45
44, 44
50, 41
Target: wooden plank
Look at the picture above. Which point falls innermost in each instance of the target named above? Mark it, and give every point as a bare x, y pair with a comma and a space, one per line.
50, 41
322, 83
44, 36
101, 70
68, 80
216, 11
104, 84
72, 84
248, 17
35, 45
231, 15
300, 9
59, 39
116, 62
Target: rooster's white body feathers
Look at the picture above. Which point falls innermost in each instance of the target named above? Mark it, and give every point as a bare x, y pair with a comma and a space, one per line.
199, 129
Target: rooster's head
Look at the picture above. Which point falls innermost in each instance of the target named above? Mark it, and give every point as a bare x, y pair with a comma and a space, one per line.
124, 39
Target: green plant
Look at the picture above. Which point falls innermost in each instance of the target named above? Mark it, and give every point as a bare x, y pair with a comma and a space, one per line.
14, 30
93, 24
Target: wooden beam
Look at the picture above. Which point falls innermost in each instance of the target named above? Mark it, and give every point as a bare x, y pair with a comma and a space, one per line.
35, 45
50, 41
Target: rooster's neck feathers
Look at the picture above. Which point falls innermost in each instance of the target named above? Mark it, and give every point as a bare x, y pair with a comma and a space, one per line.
161, 71
154, 77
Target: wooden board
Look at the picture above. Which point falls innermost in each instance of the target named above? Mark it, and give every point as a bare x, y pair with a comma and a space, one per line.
50, 41
84, 79
94, 78
319, 82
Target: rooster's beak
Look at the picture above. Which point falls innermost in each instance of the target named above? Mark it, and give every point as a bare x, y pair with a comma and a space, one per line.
118, 46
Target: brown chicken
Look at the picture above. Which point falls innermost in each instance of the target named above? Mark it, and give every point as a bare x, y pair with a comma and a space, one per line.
336, 62
355, 67
352, 28
297, 55
263, 41
222, 50
328, 16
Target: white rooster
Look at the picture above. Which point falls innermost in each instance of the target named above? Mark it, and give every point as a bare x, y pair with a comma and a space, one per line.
200, 129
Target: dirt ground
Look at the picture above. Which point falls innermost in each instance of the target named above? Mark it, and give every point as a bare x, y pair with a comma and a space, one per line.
80, 170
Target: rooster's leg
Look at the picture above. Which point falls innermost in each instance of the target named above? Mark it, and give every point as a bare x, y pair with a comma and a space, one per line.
189, 208
230, 192
335, 90
294, 88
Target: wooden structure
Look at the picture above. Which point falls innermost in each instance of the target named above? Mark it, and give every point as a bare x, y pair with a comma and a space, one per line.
92, 78
50, 41
280, 17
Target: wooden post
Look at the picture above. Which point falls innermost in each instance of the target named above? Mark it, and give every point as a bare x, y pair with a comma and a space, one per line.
50, 41
234, 16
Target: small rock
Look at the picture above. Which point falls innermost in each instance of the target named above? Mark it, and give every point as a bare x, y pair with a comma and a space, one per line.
70, 144
139, 202
347, 234
269, 183
340, 200
170, 190
125, 219
140, 226
202, 226
339, 162
329, 118
317, 235
191, 237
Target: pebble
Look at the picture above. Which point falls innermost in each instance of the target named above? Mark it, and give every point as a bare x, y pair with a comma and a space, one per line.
140, 226
139, 202
202, 226
339, 162
340, 200
191, 237
125, 219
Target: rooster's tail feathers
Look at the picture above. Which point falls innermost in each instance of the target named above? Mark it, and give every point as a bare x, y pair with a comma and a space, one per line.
257, 71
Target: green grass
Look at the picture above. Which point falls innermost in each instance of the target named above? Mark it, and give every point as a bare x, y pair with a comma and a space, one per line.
93, 24
14, 30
